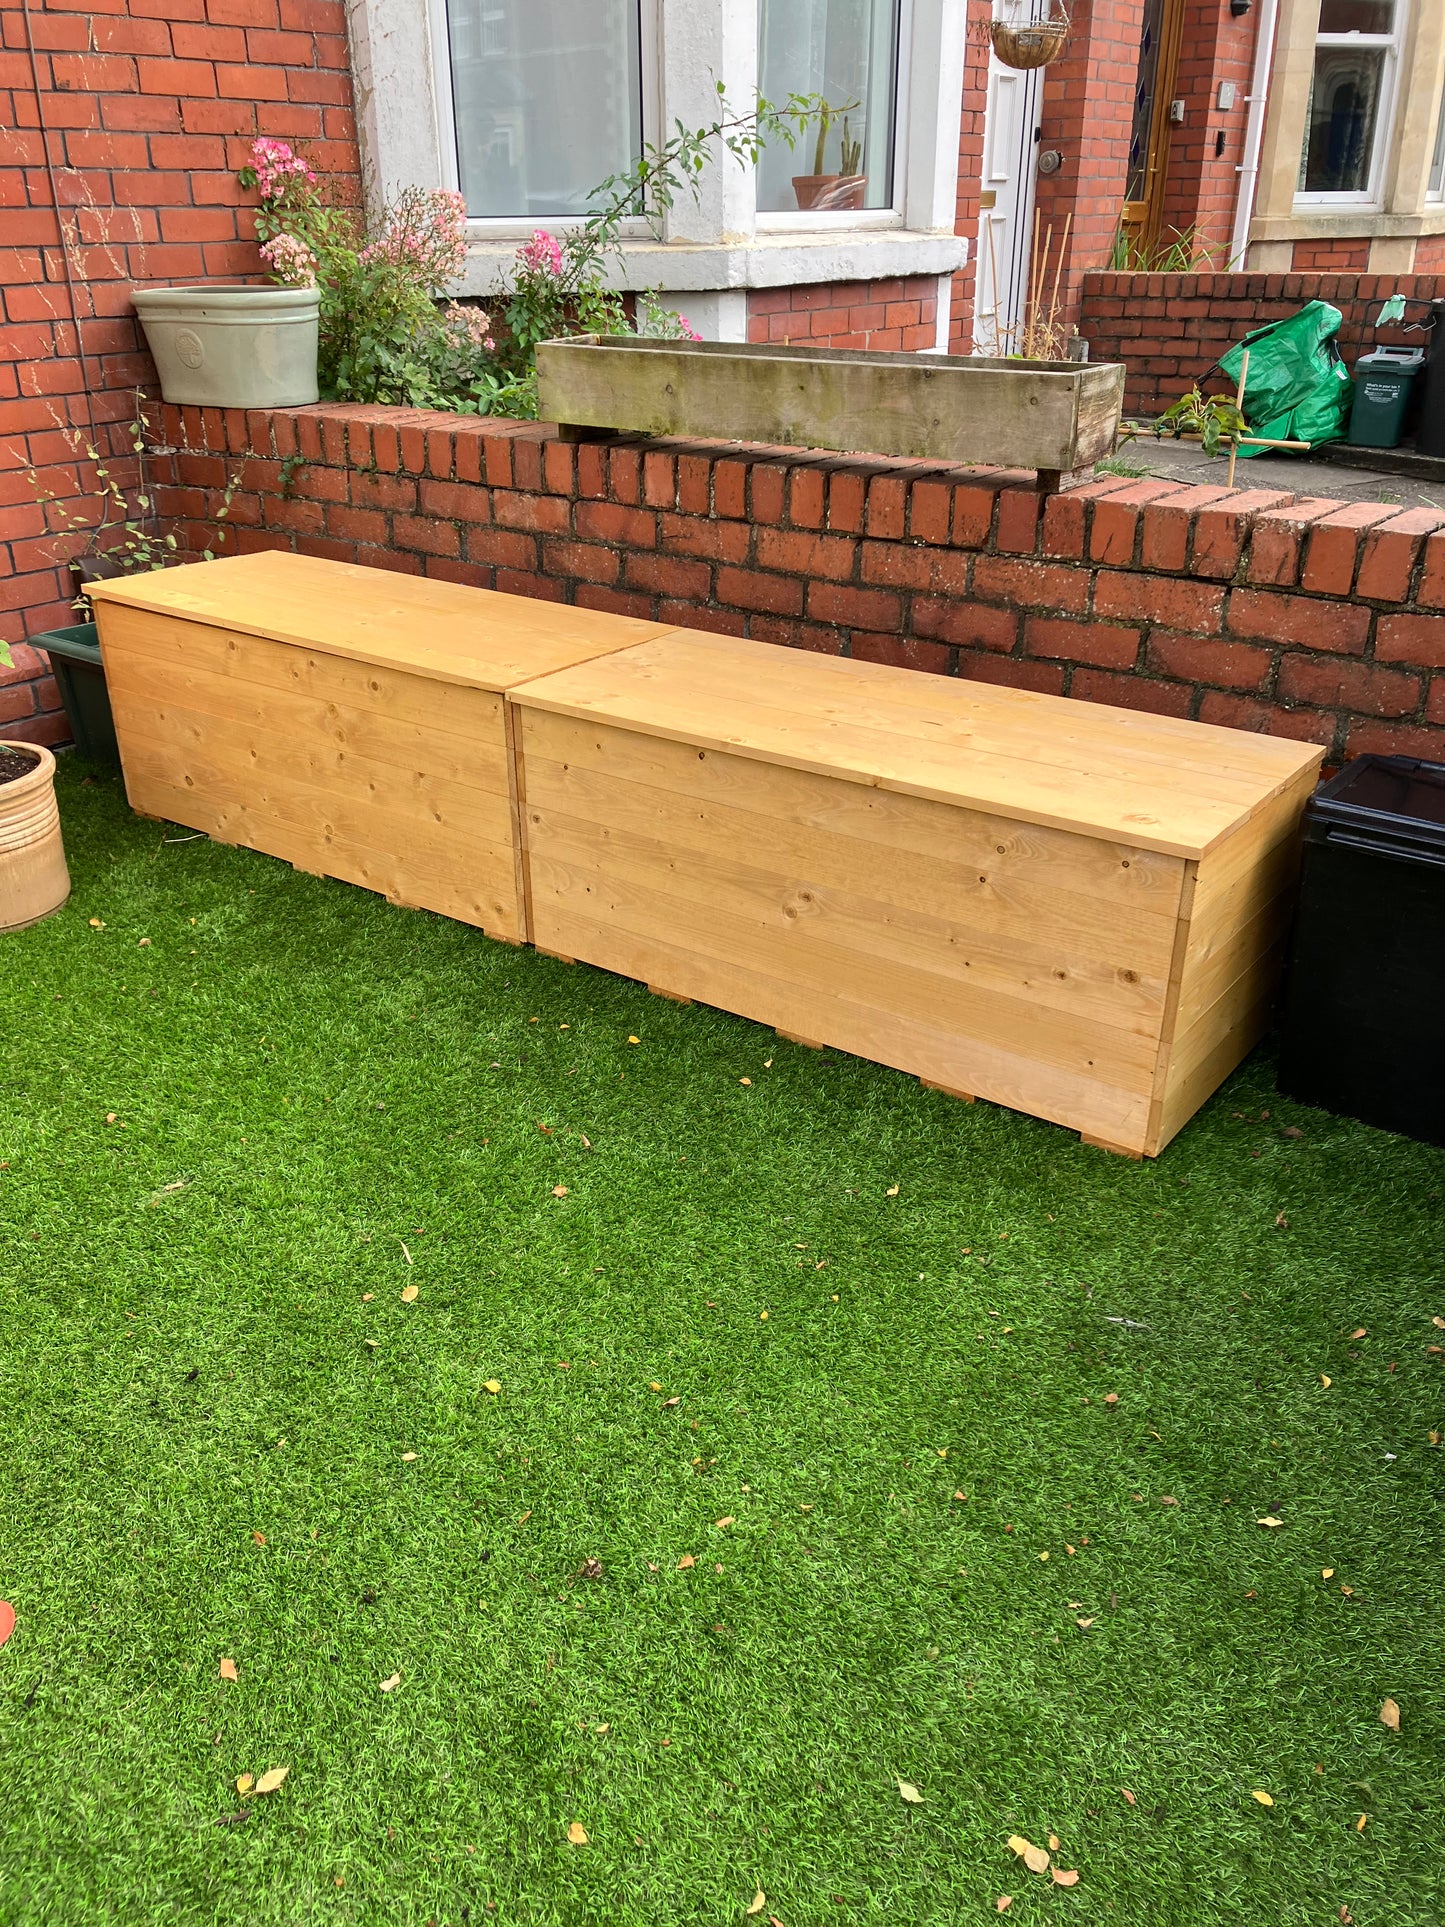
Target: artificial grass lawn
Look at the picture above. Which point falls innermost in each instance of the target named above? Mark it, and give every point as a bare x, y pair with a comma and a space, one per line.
318, 1097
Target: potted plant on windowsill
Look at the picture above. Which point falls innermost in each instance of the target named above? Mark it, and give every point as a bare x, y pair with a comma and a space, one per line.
118, 541
819, 192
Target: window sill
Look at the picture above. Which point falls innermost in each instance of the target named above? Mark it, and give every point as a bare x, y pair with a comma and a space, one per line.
1316, 223
773, 259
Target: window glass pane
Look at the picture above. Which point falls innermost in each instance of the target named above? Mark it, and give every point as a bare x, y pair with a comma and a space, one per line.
1357, 16
1437, 163
847, 51
548, 101
1340, 129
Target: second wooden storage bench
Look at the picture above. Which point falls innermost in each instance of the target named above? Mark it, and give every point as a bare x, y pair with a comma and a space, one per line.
1072, 910
347, 719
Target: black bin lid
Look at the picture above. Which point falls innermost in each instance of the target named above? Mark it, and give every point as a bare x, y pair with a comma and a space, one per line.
1398, 795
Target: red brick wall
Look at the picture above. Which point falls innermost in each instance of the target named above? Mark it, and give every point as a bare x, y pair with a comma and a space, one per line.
1202, 185
1310, 619
1330, 257
900, 315
970, 172
1171, 328
1087, 114
145, 109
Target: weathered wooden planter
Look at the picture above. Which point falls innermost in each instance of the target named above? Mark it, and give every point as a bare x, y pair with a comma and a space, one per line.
1053, 416
346, 719
1071, 910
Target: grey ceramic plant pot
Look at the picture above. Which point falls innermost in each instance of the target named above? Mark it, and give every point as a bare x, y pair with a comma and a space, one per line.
233, 347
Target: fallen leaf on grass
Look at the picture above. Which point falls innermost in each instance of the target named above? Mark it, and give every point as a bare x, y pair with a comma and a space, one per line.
259, 1537
244, 1783
1003, 1903
1390, 1716
721, 1525
1065, 1876
269, 1781
685, 1562
408, 1458
1128, 1796
1326, 1382
577, 1834
1111, 1398
228, 1669
1083, 1624
1263, 1798
1359, 1332
1327, 1572
1438, 1323
409, 1295
746, 1080
892, 1191
910, 1793
1036, 1859
1053, 1843
1362, 1822
559, 1190
669, 1403
390, 1685
493, 1385
634, 1040
756, 1905
367, 1296
1269, 1520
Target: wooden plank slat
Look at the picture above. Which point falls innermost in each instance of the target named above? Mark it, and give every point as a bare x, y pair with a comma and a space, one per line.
452, 633
1045, 415
1126, 778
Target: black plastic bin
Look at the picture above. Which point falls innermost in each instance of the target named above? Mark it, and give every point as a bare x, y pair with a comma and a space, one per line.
1364, 1013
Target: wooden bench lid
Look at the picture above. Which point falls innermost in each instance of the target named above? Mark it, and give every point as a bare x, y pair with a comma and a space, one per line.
1153, 782
445, 630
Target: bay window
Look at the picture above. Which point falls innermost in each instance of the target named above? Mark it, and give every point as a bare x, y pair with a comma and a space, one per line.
1351, 101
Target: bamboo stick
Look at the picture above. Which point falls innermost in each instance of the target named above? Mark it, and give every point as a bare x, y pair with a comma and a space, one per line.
1239, 404
1058, 276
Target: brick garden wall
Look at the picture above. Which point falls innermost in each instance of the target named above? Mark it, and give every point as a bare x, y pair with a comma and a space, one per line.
900, 315
1170, 329
118, 149
1310, 619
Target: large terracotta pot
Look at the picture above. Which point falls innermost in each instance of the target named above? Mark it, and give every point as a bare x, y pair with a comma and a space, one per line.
33, 878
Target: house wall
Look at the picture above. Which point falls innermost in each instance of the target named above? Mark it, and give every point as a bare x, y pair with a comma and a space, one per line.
1170, 329
900, 315
1314, 619
118, 152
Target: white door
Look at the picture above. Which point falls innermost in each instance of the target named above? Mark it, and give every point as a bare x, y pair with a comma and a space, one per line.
1010, 147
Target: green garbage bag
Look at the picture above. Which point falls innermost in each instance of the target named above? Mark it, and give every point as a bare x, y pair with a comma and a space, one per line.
1299, 389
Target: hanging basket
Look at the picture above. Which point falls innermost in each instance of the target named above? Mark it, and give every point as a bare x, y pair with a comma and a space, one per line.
1035, 45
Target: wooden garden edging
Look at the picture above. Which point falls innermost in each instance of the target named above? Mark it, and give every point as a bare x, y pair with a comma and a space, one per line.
1072, 910
1052, 416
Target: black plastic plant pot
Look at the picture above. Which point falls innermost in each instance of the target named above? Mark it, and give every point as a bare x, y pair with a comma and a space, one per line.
1363, 1032
75, 661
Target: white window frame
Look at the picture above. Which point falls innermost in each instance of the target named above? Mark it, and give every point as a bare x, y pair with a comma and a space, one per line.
1435, 189
715, 248
1371, 196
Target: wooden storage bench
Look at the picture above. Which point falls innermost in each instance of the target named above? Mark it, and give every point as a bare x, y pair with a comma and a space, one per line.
350, 720
1071, 910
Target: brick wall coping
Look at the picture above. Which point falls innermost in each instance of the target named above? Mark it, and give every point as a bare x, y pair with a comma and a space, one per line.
1307, 617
